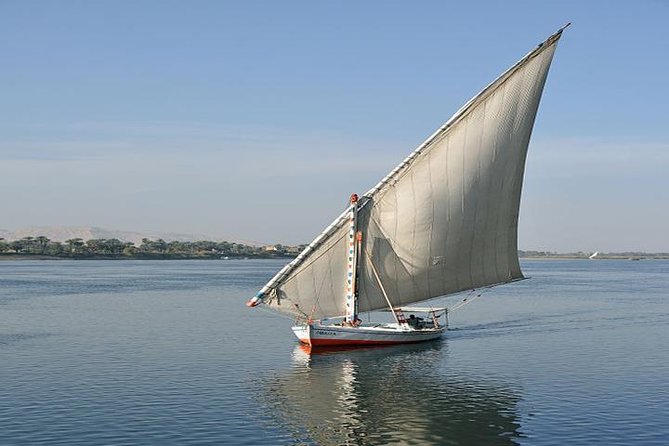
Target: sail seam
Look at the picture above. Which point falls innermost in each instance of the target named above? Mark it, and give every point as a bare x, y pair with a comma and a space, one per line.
461, 114
398, 259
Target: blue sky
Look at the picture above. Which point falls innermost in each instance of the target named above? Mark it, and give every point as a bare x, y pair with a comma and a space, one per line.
256, 120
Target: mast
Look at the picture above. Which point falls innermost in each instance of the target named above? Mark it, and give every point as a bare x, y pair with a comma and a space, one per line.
354, 239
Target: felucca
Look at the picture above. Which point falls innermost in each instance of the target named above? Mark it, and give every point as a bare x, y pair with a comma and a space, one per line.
445, 220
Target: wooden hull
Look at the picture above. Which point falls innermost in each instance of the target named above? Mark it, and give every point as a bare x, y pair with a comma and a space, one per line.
317, 335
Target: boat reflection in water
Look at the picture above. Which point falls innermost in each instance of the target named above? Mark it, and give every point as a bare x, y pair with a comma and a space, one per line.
392, 395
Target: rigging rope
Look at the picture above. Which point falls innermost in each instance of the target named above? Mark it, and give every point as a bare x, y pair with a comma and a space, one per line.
467, 300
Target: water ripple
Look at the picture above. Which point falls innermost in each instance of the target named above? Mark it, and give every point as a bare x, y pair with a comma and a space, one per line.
164, 352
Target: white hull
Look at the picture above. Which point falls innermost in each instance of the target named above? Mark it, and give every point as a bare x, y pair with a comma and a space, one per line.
317, 335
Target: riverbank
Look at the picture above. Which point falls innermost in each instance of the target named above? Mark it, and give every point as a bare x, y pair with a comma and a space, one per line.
42, 248
138, 257
173, 257
652, 256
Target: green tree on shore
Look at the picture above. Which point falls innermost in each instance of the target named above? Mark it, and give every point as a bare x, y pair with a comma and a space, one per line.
149, 249
41, 243
75, 246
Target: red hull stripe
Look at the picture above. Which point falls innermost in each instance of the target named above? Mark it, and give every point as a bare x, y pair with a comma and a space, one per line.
330, 342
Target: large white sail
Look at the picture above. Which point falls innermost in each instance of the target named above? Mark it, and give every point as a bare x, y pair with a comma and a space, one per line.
443, 221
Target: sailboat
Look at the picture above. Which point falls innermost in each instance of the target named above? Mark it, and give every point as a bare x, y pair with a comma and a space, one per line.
445, 220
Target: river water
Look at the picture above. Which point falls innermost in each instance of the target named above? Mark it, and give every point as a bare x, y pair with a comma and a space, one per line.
165, 352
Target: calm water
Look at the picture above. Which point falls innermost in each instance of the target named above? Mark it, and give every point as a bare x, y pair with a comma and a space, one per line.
143, 352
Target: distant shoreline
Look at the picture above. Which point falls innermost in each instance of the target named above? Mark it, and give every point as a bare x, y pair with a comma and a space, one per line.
611, 257
42, 248
7, 257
